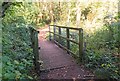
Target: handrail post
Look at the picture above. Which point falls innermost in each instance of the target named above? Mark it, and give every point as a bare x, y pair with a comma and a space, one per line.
68, 42
49, 33
54, 29
34, 40
36, 50
81, 45
59, 34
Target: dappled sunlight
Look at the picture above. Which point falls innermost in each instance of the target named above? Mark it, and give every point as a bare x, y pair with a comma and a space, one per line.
34, 33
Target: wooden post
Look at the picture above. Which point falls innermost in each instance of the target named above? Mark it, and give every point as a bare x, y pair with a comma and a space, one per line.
49, 33
68, 42
31, 36
34, 40
81, 45
59, 34
54, 28
33, 46
36, 50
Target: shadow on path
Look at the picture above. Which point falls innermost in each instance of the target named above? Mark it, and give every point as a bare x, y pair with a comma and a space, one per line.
61, 64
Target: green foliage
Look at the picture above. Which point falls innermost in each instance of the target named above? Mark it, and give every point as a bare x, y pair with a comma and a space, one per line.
101, 47
101, 34
104, 65
17, 53
21, 12
99, 50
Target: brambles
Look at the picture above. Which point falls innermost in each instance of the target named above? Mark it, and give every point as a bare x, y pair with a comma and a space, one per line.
17, 54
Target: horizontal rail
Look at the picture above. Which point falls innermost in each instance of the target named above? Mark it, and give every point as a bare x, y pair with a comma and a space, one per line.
65, 38
67, 27
65, 48
33, 29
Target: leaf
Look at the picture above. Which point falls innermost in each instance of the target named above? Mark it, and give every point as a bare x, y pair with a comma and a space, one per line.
5, 59
29, 77
17, 74
9, 75
16, 62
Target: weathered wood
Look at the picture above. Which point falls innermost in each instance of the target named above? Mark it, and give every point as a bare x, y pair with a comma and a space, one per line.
49, 33
68, 42
66, 27
34, 41
54, 30
36, 50
81, 45
65, 49
66, 38
59, 35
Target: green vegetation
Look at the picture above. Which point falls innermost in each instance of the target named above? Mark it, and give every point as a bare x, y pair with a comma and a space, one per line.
17, 54
99, 20
17, 57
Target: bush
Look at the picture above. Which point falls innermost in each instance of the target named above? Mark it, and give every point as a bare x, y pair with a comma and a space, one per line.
17, 53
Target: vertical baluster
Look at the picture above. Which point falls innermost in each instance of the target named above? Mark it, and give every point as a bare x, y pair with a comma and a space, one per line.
68, 42
36, 50
81, 45
59, 34
49, 33
34, 40
54, 32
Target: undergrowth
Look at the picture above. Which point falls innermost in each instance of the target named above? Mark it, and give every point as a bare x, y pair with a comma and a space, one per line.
17, 55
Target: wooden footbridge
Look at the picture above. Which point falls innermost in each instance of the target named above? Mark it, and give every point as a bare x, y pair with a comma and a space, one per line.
53, 56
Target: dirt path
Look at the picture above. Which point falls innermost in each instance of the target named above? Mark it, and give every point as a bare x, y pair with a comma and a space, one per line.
60, 64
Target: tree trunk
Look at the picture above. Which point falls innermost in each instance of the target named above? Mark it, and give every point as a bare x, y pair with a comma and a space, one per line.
68, 19
51, 11
78, 13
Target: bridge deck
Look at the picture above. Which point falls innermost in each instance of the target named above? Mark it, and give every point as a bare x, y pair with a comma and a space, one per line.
62, 65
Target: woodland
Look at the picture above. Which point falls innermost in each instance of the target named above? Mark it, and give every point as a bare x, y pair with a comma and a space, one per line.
99, 20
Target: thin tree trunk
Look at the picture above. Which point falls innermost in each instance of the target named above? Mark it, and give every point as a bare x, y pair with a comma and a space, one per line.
51, 12
68, 19
78, 13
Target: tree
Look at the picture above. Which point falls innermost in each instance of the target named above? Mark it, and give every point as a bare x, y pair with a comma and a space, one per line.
78, 13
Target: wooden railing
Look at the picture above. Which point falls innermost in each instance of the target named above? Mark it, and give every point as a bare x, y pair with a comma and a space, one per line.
34, 40
67, 38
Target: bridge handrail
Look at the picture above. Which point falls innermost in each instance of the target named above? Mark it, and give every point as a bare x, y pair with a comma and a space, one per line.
34, 41
80, 43
67, 27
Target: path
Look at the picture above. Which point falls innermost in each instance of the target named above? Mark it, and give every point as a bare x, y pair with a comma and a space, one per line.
62, 65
